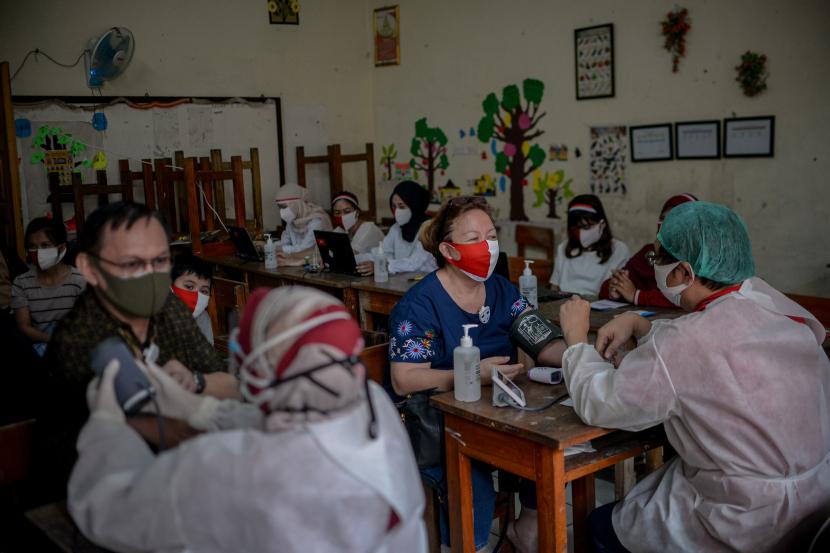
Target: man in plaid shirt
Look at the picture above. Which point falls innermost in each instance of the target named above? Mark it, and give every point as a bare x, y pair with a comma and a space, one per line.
125, 258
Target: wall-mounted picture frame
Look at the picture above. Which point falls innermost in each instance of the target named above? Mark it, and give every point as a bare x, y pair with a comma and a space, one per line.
284, 12
697, 140
749, 136
651, 142
594, 62
386, 23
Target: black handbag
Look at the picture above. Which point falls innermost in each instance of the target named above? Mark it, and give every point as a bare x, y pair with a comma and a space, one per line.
425, 426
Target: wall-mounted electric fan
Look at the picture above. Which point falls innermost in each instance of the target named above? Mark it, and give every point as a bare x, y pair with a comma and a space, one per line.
108, 56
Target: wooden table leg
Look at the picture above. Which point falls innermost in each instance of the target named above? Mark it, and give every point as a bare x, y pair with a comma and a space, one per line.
583, 503
460, 496
654, 459
351, 302
624, 478
550, 500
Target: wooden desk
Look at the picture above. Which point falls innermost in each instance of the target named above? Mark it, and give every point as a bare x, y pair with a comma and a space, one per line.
531, 445
380, 297
254, 274
599, 318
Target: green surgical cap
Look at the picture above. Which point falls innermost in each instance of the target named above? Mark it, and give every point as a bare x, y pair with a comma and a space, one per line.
711, 238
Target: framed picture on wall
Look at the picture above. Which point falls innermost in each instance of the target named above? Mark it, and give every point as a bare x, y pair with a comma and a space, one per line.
697, 140
749, 137
594, 59
387, 28
284, 12
651, 142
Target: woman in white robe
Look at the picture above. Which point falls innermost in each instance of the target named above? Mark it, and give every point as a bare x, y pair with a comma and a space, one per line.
740, 384
325, 470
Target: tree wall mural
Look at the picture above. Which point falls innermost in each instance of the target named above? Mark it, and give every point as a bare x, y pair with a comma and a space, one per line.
513, 122
429, 151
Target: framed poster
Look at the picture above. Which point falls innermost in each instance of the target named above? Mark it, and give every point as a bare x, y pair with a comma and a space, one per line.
594, 59
749, 137
387, 28
284, 12
651, 143
697, 140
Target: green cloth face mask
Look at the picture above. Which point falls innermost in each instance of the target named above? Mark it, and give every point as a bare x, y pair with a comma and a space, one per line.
139, 296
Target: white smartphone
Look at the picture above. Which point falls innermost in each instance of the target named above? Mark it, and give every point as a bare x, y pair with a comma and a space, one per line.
503, 384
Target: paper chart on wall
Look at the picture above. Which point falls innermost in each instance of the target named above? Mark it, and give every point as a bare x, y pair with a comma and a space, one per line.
594, 58
608, 154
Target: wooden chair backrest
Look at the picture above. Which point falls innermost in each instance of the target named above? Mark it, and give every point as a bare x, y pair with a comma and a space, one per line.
376, 361
819, 307
335, 159
542, 268
78, 190
15, 451
540, 237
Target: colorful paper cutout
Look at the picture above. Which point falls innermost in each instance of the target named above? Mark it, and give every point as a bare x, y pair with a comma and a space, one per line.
22, 128
558, 152
514, 123
99, 161
99, 121
387, 158
484, 186
429, 148
551, 189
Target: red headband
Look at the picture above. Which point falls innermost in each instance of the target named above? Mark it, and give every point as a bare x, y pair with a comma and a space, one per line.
582, 207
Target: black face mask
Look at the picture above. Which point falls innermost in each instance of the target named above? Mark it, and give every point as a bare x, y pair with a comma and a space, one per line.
348, 364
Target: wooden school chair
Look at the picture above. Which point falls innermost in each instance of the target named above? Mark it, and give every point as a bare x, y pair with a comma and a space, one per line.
78, 190
539, 237
198, 181
335, 159
542, 268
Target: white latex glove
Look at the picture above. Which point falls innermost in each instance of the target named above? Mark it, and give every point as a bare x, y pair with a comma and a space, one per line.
202, 412
176, 402
100, 395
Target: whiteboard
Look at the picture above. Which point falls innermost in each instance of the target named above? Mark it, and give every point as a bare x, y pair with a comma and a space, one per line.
194, 128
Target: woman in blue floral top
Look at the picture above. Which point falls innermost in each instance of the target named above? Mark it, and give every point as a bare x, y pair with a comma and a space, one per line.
426, 325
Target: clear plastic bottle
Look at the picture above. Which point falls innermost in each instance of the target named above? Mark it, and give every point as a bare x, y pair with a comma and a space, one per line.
527, 285
381, 265
467, 368
270, 251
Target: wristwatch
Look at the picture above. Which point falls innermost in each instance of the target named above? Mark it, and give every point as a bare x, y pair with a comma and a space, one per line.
200, 382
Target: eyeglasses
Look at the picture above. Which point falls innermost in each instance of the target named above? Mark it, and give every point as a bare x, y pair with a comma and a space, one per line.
159, 264
654, 258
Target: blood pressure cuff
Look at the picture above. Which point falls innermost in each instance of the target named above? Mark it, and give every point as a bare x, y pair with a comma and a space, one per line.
532, 331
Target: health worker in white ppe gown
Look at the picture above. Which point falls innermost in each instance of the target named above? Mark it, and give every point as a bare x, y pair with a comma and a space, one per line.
324, 464
740, 384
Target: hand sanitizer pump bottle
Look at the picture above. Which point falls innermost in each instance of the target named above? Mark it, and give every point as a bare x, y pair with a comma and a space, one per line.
381, 265
528, 287
270, 251
466, 368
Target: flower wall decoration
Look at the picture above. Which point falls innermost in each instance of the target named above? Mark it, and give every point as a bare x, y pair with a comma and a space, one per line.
752, 73
674, 29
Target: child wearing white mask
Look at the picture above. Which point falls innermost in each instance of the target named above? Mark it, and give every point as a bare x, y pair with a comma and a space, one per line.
402, 245
192, 279
48, 290
590, 254
364, 235
300, 218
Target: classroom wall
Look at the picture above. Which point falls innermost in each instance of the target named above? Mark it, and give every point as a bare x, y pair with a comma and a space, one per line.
454, 53
320, 69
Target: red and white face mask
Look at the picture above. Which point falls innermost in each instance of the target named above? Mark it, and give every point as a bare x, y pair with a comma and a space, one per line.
478, 261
